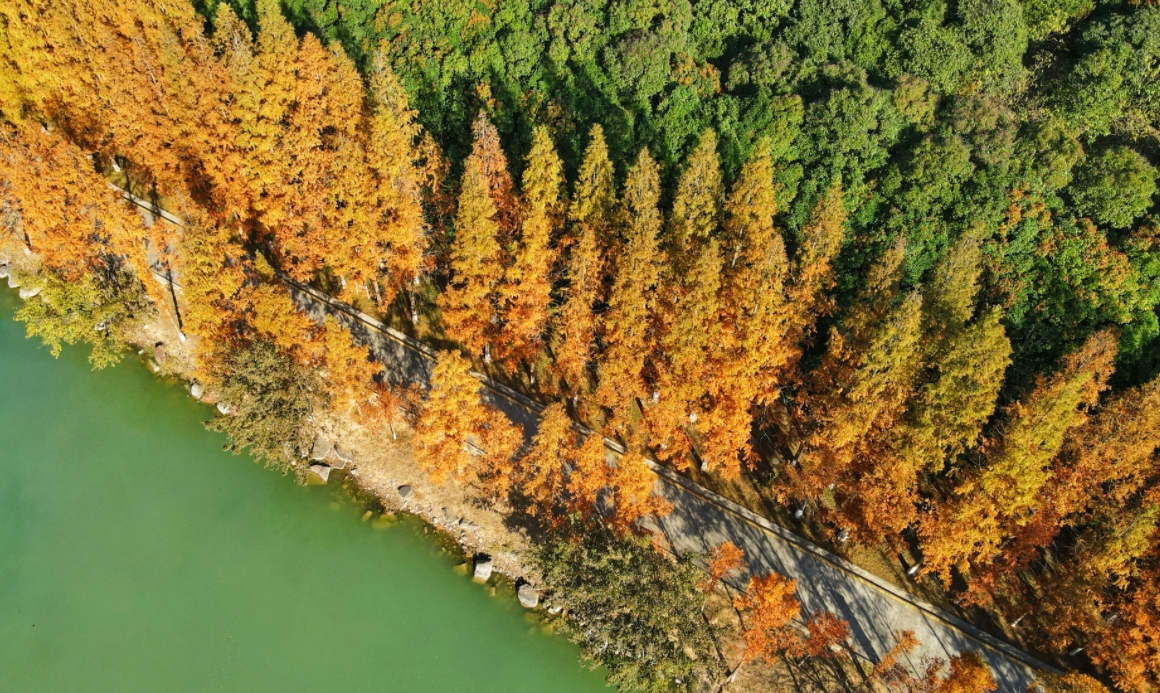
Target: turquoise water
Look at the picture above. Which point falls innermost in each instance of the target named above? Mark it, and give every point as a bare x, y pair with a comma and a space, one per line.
135, 555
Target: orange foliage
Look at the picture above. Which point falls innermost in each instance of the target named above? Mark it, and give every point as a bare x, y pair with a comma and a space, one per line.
625, 326
350, 373
724, 558
454, 417
772, 608
526, 292
826, 633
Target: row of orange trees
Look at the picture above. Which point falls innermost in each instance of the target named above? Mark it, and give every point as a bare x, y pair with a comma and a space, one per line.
681, 320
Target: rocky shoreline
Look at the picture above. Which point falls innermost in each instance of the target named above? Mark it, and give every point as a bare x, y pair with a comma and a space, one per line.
490, 549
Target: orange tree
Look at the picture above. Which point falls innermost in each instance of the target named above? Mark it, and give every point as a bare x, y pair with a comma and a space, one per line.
453, 418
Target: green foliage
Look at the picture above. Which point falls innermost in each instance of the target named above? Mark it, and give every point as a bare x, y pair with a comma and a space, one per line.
1114, 187
633, 610
932, 113
271, 399
95, 310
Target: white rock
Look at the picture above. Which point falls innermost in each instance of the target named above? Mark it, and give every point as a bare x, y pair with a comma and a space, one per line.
12, 283
321, 471
3, 271
196, 390
344, 457
153, 365
483, 568
529, 596
29, 293
223, 408
555, 609
321, 450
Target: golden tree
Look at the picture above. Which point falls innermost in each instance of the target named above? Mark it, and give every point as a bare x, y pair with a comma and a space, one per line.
633, 486
864, 378
468, 306
541, 470
455, 417
397, 239
724, 558
590, 219
686, 312
772, 607
349, 373
525, 294
625, 326
989, 503
750, 348
813, 268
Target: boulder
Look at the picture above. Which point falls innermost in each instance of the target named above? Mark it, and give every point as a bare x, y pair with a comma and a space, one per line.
343, 457
196, 390
27, 293
483, 568
529, 596
12, 283
223, 408
321, 450
405, 490
3, 271
555, 609
321, 471
159, 352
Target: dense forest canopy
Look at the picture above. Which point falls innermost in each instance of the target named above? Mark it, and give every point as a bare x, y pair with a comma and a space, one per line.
1037, 120
896, 263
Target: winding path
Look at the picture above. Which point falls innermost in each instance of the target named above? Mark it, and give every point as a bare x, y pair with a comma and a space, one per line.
702, 519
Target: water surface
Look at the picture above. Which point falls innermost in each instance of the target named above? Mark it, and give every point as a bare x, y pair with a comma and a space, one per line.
136, 556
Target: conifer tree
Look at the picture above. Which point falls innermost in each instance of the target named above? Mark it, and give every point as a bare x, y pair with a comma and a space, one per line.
813, 273
349, 373
724, 558
541, 470
468, 306
687, 310
454, 417
68, 214
1130, 649
989, 503
633, 486
590, 220
625, 326
966, 362
493, 165
863, 381
398, 230
589, 479
699, 196
750, 348
771, 607
526, 291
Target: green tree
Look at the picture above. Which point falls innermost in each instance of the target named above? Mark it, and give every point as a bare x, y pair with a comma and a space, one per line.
271, 400
1114, 186
632, 610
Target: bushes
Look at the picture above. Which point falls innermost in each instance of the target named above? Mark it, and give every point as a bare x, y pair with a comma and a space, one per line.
271, 398
632, 610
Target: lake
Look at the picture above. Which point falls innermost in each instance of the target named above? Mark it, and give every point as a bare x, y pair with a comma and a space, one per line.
136, 555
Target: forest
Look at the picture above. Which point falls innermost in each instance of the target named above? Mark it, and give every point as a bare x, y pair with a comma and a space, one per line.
892, 262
